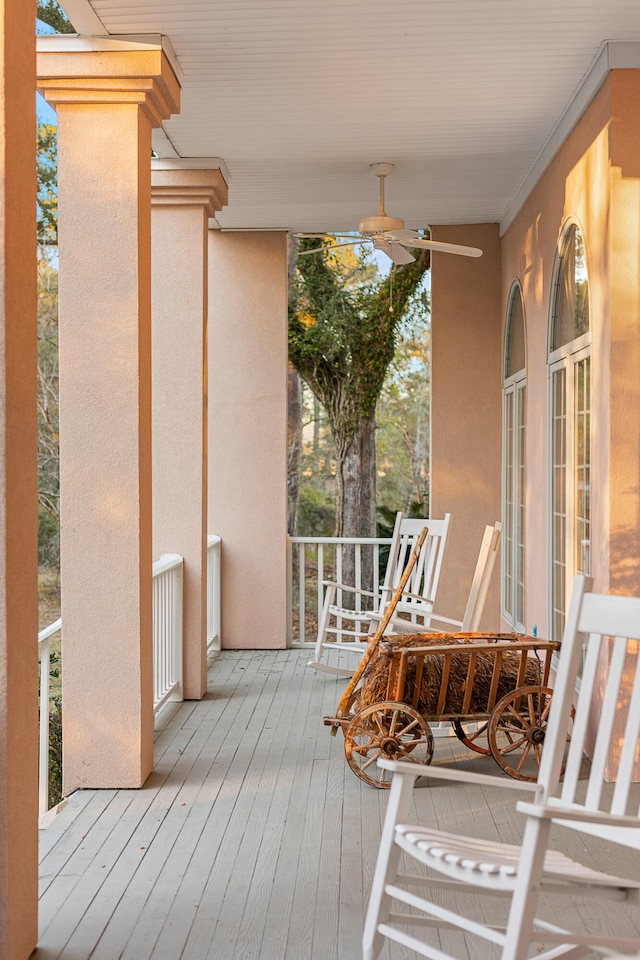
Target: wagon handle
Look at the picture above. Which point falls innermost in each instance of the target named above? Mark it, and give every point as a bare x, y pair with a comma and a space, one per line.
375, 639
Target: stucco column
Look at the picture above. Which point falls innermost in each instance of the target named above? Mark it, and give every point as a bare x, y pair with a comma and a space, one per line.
183, 199
466, 437
18, 489
248, 432
107, 102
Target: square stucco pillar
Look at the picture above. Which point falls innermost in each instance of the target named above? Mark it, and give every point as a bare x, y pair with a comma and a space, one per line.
107, 103
466, 433
18, 490
248, 432
183, 199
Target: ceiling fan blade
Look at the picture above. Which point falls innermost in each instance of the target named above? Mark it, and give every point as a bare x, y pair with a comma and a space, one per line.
333, 246
402, 235
397, 253
442, 247
329, 236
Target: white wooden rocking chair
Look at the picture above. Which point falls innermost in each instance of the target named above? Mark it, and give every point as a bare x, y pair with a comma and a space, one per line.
416, 603
489, 550
611, 680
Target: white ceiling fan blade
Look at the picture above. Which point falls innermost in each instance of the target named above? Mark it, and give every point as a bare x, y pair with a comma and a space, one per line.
333, 246
402, 235
442, 247
329, 236
397, 253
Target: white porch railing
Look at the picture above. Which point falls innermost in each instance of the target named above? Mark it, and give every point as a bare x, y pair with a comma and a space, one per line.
167, 644
44, 645
167, 629
314, 559
214, 550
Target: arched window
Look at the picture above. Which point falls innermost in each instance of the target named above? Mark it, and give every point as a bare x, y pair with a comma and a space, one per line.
513, 461
569, 361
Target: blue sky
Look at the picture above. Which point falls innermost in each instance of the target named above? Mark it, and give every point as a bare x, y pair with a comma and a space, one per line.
44, 112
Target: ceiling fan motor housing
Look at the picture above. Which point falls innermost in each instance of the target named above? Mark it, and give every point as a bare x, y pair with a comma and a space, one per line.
372, 225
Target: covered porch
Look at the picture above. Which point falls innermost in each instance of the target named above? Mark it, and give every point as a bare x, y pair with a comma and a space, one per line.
238, 824
252, 838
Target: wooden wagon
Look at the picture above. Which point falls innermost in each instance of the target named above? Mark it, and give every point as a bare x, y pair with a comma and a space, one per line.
492, 688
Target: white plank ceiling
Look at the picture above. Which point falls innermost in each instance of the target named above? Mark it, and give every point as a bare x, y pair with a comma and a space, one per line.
298, 97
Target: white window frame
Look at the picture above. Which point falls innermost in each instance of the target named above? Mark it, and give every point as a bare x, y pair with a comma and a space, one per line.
565, 357
514, 395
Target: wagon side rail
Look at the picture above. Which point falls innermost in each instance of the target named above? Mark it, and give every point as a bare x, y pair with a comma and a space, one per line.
524, 648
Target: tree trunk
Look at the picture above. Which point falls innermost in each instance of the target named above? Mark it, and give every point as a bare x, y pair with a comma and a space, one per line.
356, 497
294, 445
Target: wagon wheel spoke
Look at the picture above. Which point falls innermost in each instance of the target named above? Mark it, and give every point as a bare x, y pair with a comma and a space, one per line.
370, 760
470, 739
517, 730
389, 729
512, 744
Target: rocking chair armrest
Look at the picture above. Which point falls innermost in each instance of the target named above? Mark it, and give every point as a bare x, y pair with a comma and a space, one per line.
558, 811
407, 594
350, 589
416, 770
440, 619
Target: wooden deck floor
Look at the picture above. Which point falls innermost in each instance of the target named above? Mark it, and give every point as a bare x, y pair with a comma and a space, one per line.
252, 839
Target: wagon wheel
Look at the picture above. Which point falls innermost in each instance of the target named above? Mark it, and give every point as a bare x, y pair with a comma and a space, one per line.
517, 729
389, 730
469, 739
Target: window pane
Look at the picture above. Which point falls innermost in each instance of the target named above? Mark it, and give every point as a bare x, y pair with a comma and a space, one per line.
514, 344
520, 506
582, 523
558, 499
508, 503
571, 296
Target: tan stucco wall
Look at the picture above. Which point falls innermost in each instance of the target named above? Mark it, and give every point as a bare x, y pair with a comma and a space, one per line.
624, 318
466, 407
18, 489
248, 432
180, 417
594, 178
105, 443
575, 184
107, 103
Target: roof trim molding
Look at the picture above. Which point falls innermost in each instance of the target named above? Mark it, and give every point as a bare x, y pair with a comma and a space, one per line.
191, 163
76, 43
83, 17
612, 55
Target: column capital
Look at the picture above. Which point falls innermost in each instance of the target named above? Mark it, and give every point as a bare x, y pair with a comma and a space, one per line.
183, 185
91, 70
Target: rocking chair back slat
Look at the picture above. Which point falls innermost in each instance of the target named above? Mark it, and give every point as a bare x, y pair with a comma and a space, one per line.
629, 755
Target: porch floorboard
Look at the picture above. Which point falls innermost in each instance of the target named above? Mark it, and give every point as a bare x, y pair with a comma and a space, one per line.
252, 839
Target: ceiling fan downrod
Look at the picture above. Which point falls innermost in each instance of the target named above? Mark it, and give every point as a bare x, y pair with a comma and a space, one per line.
380, 223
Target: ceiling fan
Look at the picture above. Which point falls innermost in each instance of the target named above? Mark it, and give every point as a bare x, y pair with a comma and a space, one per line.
388, 234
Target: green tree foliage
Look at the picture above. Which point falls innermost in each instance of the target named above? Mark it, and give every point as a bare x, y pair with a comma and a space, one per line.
48, 427
47, 210
403, 415
343, 327
49, 12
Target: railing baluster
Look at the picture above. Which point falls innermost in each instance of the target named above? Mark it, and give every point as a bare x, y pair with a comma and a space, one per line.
167, 630
302, 589
320, 555
214, 547
44, 638
45, 678
300, 562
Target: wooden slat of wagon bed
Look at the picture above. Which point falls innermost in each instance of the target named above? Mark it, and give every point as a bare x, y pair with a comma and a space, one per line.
523, 647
